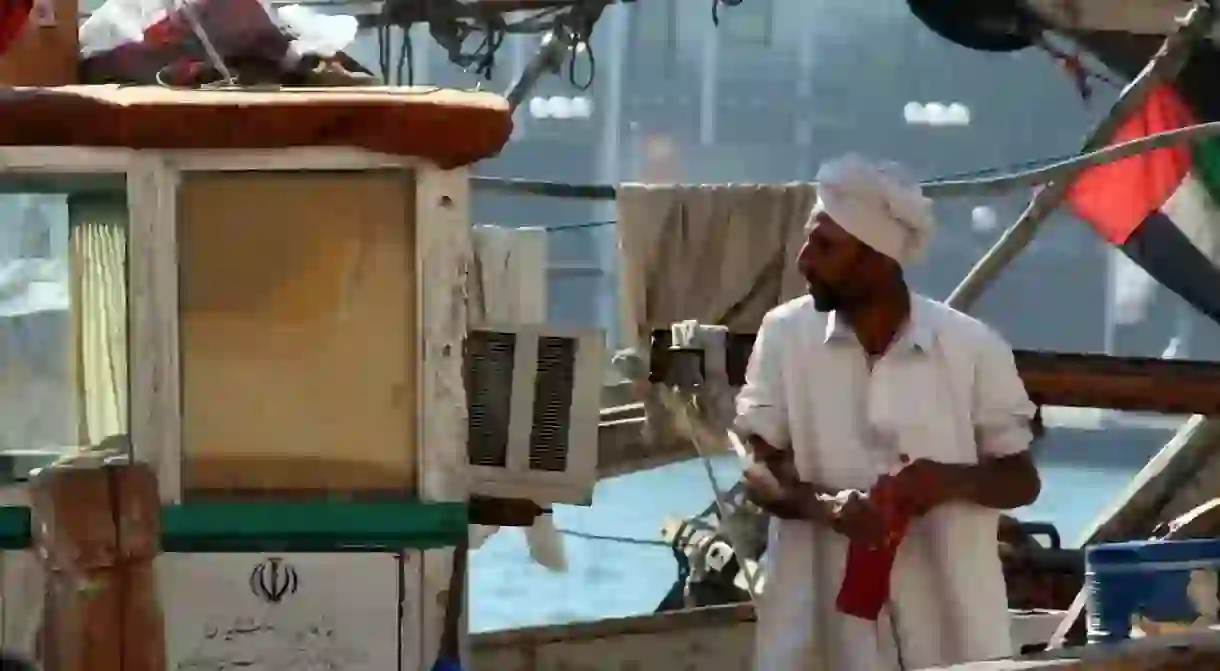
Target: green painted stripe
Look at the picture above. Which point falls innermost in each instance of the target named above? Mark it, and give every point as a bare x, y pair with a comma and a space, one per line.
320, 526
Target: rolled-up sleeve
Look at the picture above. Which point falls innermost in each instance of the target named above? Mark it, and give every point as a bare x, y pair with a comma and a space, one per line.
762, 408
1002, 409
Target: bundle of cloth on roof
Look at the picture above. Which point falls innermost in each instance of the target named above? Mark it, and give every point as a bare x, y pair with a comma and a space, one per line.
202, 42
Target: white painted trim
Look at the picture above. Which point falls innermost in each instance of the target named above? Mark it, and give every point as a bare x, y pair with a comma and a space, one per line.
295, 159
444, 247
412, 612
89, 160
64, 160
155, 347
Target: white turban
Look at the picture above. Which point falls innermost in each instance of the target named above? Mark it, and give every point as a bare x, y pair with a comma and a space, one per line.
877, 204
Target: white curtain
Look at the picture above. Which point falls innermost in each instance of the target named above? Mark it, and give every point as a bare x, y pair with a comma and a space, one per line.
98, 266
717, 254
97, 312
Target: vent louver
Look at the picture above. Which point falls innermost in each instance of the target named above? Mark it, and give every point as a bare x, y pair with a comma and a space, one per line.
534, 397
556, 373
489, 385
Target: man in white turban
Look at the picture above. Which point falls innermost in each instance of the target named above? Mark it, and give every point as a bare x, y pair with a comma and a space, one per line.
888, 431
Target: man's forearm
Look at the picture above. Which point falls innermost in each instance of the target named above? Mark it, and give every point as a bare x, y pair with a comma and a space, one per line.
1001, 484
793, 501
774, 485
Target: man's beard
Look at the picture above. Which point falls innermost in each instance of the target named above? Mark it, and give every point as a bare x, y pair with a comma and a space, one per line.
825, 298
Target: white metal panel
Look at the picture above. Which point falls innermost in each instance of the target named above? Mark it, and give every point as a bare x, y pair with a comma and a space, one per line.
296, 611
574, 485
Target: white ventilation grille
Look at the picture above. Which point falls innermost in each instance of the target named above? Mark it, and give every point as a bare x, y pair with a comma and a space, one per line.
533, 394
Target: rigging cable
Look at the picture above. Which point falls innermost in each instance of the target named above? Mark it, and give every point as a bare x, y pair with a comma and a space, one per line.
614, 539
451, 31
943, 187
681, 404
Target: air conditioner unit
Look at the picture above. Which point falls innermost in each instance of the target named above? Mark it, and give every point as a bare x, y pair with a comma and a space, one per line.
534, 397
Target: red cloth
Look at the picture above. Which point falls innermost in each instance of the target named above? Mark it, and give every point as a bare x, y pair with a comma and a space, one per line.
238, 29
866, 582
14, 15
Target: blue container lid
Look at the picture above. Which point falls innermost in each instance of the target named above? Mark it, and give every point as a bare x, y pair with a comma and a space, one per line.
1139, 552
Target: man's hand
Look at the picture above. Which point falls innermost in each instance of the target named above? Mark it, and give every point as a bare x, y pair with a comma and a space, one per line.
765, 490
854, 515
923, 485
773, 484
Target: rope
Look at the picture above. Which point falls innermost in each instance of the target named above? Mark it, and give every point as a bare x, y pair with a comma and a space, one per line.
679, 404
614, 539
1049, 173
936, 188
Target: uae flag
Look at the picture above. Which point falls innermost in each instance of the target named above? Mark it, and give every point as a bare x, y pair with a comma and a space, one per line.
1161, 207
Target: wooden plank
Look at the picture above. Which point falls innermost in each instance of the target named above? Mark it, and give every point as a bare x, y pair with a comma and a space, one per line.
1053, 378
156, 367
714, 637
446, 251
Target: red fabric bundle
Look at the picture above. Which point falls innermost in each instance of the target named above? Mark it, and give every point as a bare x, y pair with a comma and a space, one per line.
14, 15
866, 582
169, 48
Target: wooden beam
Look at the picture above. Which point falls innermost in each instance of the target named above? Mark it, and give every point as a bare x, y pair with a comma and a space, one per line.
713, 637
1121, 383
1052, 378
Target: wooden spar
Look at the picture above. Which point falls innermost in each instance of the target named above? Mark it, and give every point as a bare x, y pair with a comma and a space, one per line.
1072, 380
1164, 66
1121, 383
1054, 378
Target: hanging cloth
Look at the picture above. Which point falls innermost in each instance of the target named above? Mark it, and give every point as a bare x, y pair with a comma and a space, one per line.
714, 254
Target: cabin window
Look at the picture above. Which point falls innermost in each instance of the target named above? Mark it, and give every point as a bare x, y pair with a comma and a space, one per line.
297, 327
63, 319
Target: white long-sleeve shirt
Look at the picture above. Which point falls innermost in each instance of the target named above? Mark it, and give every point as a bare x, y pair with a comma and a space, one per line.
947, 390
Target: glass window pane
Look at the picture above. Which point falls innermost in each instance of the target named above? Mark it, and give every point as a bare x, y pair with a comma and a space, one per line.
63, 319
298, 332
